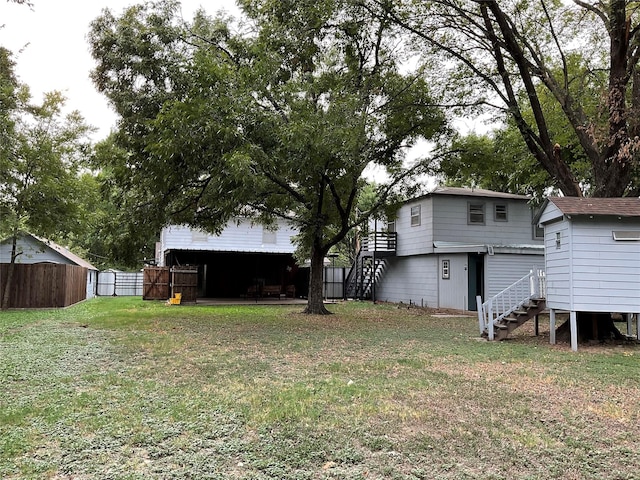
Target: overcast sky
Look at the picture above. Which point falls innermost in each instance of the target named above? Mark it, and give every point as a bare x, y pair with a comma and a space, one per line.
51, 51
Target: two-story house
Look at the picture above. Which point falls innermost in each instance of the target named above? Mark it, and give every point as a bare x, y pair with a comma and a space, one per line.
454, 244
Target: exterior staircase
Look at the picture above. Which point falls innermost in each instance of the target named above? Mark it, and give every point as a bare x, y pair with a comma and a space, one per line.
370, 264
363, 274
515, 305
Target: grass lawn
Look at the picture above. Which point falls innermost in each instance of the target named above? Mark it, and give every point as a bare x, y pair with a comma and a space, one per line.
118, 388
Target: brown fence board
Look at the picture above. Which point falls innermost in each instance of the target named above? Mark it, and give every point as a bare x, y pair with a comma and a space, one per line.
184, 280
44, 285
155, 283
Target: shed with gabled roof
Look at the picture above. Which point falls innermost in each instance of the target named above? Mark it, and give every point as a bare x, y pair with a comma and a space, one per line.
33, 249
592, 255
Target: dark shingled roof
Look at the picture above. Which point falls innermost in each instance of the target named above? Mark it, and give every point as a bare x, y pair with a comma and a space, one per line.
620, 207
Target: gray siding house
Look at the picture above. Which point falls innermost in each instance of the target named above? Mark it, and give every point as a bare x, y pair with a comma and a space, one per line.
592, 256
456, 243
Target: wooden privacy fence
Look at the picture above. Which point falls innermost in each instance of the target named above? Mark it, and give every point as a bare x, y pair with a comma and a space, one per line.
44, 285
184, 280
155, 283
161, 283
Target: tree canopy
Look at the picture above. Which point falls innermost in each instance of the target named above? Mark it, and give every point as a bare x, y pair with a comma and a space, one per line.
543, 63
280, 123
41, 152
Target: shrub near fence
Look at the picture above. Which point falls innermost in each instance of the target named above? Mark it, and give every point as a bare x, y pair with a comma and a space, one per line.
45, 285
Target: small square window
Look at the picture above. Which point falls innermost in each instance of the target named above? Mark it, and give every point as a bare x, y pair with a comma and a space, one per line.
446, 269
476, 213
500, 212
415, 215
558, 238
199, 236
269, 237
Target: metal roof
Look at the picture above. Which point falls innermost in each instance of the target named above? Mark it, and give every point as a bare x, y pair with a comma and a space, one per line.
471, 192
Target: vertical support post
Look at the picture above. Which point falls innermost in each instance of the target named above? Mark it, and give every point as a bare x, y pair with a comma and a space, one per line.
638, 325
374, 268
552, 326
480, 309
573, 324
536, 325
361, 295
629, 324
490, 321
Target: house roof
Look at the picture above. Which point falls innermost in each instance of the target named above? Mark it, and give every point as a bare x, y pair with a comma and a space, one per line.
59, 249
476, 192
619, 207
472, 192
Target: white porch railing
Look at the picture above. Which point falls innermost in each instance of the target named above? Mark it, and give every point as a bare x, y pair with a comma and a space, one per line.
532, 285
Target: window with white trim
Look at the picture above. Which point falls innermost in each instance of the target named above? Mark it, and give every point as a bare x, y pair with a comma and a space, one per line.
446, 269
415, 215
269, 236
199, 236
391, 226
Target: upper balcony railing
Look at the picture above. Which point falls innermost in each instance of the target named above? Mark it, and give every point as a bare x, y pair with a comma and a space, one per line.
380, 242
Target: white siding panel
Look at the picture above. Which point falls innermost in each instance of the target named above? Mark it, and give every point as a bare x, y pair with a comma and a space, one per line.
557, 266
617, 283
600, 305
415, 240
242, 236
606, 272
92, 280
550, 213
410, 279
503, 270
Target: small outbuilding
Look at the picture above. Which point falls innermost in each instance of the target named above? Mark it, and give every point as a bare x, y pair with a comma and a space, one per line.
35, 250
592, 257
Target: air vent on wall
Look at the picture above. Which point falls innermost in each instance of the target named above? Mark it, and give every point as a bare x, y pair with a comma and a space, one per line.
626, 235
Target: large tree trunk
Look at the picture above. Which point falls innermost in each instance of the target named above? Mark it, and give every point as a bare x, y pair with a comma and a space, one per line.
315, 303
591, 327
6, 290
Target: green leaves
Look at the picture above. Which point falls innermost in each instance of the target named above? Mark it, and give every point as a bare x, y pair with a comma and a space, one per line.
42, 152
281, 123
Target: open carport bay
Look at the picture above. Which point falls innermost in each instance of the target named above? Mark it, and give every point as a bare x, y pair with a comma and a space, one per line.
239, 274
